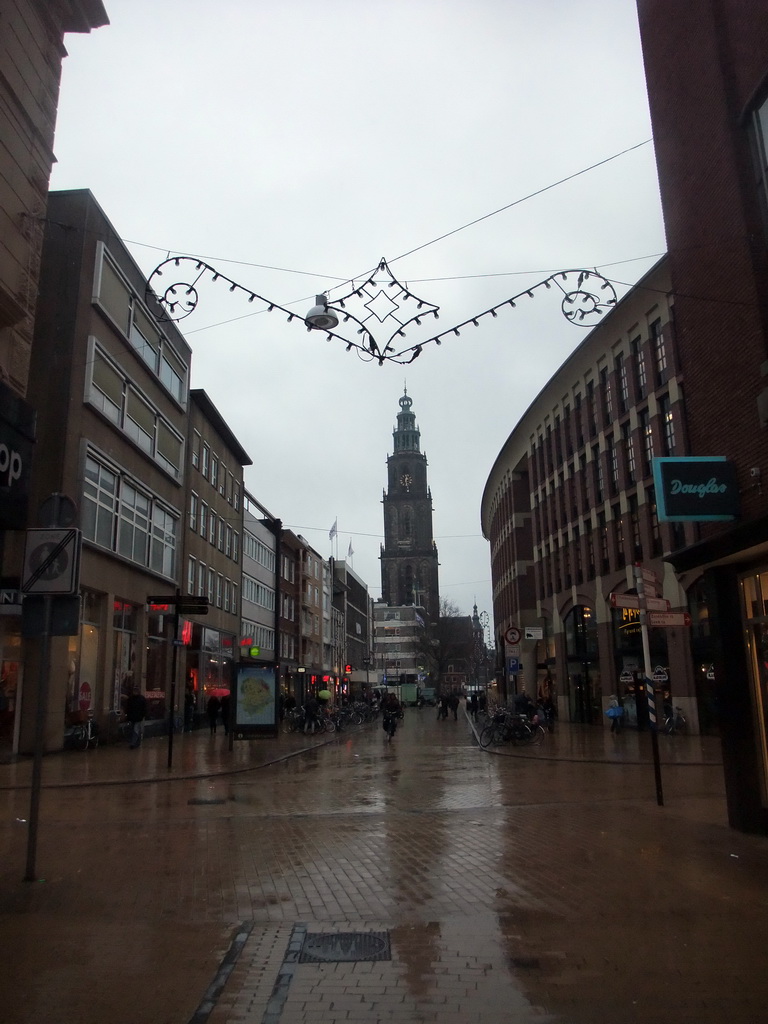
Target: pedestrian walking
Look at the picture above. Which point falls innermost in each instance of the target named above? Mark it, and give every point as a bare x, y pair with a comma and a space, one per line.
473, 706
442, 706
311, 720
136, 712
615, 712
225, 712
212, 709
453, 704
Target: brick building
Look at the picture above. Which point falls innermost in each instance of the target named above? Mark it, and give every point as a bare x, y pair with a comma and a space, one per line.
707, 77
570, 506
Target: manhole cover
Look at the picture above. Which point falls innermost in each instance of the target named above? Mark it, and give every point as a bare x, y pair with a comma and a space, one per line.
345, 947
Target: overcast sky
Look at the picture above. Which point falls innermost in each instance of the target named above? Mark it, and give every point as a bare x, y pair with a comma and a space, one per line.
317, 138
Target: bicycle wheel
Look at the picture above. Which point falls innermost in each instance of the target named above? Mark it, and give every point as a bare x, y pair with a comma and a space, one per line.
80, 737
329, 725
93, 739
488, 736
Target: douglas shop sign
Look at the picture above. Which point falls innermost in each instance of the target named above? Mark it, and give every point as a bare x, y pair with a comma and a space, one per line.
696, 489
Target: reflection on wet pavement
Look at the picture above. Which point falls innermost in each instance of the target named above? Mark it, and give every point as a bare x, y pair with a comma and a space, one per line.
513, 889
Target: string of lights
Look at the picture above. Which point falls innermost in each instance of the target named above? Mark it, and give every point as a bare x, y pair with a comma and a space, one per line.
383, 298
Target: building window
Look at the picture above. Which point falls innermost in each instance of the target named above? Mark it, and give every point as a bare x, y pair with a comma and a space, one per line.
634, 522
629, 448
618, 528
212, 526
602, 529
659, 351
202, 576
196, 442
613, 464
191, 575
642, 378
646, 435
668, 425
193, 512
598, 471
120, 517
591, 408
206, 466
622, 382
605, 384
203, 520
113, 394
115, 297
211, 589
133, 527
214, 472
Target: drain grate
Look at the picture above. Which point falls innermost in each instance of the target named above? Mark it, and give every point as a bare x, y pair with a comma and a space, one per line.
345, 947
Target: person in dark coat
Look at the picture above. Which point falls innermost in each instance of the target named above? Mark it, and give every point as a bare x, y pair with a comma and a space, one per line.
453, 704
225, 712
136, 712
473, 706
212, 709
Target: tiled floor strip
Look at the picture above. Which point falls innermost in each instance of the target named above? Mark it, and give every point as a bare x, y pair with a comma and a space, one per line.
279, 994
209, 1000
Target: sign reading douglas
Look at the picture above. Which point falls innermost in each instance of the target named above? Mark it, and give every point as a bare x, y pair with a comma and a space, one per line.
694, 488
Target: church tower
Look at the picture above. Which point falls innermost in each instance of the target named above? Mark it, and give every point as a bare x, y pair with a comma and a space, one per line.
408, 554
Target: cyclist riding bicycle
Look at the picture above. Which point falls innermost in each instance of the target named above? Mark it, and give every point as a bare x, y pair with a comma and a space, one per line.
391, 710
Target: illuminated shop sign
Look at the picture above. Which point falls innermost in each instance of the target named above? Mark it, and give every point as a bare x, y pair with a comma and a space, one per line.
696, 489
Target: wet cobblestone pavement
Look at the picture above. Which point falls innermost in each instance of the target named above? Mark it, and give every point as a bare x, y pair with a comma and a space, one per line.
518, 886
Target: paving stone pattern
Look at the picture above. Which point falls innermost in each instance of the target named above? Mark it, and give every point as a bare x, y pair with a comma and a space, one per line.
546, 887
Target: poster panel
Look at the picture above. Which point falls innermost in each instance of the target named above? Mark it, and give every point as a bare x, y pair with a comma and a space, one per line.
255, 701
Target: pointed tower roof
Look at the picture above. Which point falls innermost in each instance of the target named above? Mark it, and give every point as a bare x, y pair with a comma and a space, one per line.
406, 434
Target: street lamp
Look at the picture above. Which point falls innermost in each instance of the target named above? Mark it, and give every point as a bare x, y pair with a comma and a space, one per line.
586, 297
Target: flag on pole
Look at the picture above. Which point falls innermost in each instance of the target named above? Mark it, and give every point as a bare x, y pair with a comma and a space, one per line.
350, 552
333, 530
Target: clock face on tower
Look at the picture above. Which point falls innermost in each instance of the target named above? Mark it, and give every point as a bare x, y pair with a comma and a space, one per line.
406, 479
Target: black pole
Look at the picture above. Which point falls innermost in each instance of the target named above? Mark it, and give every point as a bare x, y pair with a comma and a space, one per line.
37, 764
174, 664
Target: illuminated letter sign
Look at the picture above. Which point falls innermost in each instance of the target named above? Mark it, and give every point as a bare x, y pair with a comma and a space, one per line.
696, 489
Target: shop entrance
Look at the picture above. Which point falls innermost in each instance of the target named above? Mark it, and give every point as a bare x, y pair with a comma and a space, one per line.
584, 682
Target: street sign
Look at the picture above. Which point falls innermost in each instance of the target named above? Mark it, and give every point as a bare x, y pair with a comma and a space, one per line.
185, 604
660, 675
626, 677
513, 635
648, 575
656, 604
669, 619
533, 632
513, 650
51, 562
513, 665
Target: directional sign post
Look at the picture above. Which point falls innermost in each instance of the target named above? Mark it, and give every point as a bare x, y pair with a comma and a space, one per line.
643, 605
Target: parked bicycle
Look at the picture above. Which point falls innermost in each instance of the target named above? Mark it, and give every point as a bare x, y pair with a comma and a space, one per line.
85, 734
674, 720
505, 726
